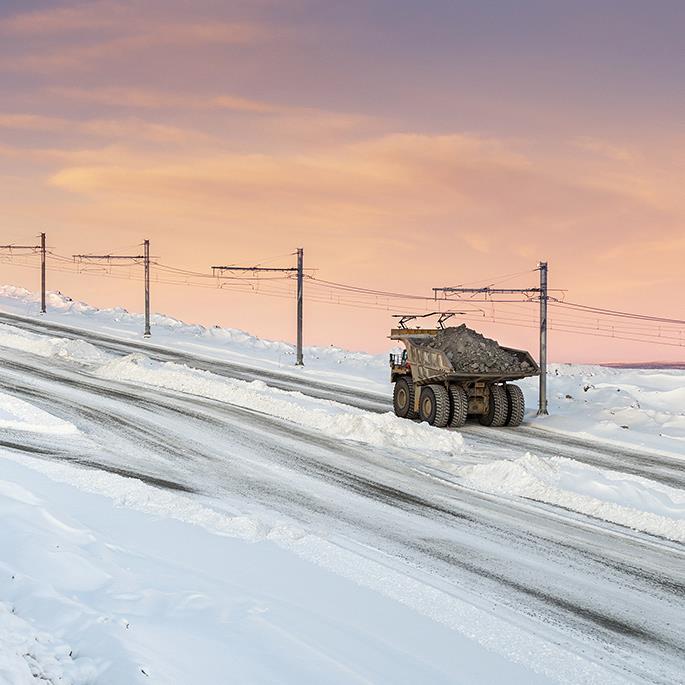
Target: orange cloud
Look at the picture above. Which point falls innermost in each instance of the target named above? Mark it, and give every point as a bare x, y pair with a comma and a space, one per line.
388, 181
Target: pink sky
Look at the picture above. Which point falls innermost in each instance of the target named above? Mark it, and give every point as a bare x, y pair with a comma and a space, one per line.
403, 147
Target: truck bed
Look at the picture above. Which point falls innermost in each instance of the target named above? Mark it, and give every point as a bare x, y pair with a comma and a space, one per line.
432, 366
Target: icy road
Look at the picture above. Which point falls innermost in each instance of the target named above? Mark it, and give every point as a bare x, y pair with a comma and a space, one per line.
573, 597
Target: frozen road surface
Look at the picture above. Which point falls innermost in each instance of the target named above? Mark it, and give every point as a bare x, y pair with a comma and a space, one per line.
164, 526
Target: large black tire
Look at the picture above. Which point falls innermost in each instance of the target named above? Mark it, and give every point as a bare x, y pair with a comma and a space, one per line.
516, 405
434, 405
403, 398
459, 406
499, 406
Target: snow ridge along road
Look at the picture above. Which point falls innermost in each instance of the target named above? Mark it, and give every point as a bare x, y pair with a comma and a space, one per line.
601, 603
659, 466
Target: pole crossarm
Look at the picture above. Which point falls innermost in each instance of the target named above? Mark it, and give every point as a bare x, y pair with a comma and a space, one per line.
108, 257
252, 268
20, 247
495, 291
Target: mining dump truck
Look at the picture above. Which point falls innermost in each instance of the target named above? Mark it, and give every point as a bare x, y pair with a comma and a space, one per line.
447, 374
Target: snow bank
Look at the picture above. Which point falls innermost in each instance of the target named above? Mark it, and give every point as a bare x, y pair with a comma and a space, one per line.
15, 414
621, 498
71, 350
641, 407
645, 408
344, 366
330, 418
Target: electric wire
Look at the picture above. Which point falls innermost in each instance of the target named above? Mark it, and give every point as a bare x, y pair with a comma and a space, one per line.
568, 317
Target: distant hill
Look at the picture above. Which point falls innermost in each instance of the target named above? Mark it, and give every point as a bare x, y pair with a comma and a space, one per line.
646, 365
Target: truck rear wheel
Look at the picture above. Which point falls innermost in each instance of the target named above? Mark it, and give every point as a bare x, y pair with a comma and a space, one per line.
496, 416
403, 399
516, 405
459, 406
434, 405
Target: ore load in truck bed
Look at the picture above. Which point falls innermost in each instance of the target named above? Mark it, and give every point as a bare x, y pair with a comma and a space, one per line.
470, 352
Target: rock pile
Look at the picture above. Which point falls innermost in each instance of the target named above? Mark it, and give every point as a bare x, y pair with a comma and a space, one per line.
471, 352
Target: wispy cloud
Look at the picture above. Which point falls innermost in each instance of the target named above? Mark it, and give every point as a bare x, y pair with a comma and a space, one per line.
606, 149
128, 129
80, 37
276, 119
149, 98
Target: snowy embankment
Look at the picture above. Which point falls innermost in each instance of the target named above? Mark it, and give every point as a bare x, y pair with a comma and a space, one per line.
18, 415
638, 407
44, 346
324, 416
330, 364
330, 418
621, 498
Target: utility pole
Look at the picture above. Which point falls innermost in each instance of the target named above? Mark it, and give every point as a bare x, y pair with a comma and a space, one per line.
135, 259
146, 263
300, 284
542, 293
299, 270
542, 408
43, 308
33, 250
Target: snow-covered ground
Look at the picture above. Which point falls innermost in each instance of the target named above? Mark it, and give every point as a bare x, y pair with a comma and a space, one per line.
643, 407
628, 500
94, 594
104, 579
107, 579
638, 407
332, 364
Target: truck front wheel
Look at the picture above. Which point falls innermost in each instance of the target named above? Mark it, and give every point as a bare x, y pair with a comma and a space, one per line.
434, 405
403, 399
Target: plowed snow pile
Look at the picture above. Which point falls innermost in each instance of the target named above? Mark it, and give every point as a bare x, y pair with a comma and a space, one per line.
78, 351
471, 352
621, 498
330, 418
17, 415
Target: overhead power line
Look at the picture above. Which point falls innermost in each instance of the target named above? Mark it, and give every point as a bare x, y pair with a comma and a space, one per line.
616, 313
565, 317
